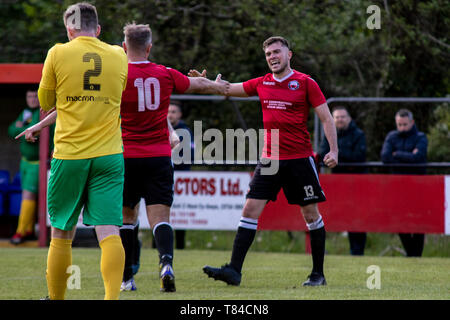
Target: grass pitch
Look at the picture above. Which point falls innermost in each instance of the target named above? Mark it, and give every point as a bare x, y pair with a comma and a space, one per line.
266, 276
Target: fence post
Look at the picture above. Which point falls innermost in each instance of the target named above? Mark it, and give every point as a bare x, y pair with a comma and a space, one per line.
42, 200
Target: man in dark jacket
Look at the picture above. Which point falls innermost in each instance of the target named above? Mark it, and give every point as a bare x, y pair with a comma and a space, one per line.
407, 145
352, 148
175, 114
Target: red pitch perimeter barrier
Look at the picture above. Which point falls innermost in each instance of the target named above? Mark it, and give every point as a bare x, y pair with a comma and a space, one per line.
371, 203
20, 72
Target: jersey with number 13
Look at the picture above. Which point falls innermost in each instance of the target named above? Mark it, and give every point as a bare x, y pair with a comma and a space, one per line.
145, 104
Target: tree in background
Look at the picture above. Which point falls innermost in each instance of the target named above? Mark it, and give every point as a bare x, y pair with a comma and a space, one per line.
408, 56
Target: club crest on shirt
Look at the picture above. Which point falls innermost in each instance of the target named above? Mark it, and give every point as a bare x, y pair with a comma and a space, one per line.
293, 85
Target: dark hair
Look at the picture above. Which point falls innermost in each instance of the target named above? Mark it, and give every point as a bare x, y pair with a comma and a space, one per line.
178, 104
340, 108
87, 15
32, 87
137, 36
272, 40
404, 113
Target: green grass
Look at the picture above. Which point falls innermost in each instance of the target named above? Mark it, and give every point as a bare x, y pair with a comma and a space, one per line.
266, 276
337, 243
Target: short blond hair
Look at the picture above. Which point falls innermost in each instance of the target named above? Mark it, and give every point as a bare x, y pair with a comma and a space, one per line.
137, 36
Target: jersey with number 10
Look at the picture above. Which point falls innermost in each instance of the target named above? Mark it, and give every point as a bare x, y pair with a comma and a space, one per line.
145, 103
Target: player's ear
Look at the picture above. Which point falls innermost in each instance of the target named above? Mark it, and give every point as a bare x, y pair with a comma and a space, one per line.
149, 47
290, 54
70, 33
97, 33
124, 46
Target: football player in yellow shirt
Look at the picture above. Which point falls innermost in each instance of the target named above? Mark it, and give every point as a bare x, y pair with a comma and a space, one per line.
84, 78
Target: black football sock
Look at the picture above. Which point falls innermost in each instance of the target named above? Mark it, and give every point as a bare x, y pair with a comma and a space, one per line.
318, 248
137, 246
163, 234
242, 242
317, 239
128, 242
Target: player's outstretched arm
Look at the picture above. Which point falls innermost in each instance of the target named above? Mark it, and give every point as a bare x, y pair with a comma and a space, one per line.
234, 89
323, 112
32, 132
237, 90
206, 86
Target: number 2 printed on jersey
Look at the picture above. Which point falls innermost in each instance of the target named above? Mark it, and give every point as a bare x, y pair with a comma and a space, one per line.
87, 85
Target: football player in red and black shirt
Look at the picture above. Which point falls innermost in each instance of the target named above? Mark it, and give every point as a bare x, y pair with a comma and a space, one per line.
286, 97
147, 150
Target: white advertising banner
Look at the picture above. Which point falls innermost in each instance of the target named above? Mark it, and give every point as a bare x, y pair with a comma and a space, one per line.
205, 200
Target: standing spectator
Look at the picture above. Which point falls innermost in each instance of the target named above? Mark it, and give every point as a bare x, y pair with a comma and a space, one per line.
352, 148
407, 145
29, 168
175, 117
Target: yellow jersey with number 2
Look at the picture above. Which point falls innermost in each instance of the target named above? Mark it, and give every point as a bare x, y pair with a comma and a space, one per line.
88, 77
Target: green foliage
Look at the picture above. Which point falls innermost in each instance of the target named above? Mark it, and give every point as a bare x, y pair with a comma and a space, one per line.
408, 56
439, 136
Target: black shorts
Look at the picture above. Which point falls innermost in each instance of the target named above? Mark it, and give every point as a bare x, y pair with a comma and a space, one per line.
148, 178
297, 177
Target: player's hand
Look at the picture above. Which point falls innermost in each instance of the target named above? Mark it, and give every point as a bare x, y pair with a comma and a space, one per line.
174, 140
30, 134
331, 159
194, 73
223, 85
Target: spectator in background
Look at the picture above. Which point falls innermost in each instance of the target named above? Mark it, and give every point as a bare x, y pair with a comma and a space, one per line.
407, 145
352, 148
174, 115
29, 167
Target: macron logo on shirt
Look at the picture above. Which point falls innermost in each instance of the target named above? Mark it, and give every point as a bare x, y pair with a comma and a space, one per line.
269, 83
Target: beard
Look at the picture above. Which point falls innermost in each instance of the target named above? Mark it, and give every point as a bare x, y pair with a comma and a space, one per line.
280, 70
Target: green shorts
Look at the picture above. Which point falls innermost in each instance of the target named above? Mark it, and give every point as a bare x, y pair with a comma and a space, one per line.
95, 184
29, 175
